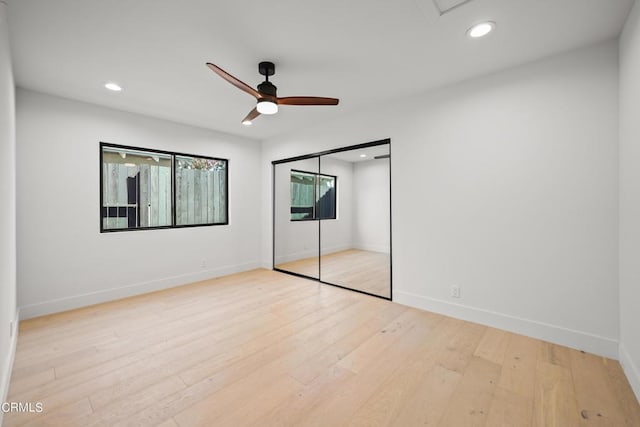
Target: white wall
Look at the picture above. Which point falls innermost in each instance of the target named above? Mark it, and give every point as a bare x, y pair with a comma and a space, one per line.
371, 205
518, 184
63, 259
8, 211
630, 198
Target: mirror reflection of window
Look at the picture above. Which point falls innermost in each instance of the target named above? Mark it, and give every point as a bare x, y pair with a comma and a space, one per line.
302, 195
313, 196
326, 201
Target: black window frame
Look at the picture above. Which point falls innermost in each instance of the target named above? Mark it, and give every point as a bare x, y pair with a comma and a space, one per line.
173, 155
316, 175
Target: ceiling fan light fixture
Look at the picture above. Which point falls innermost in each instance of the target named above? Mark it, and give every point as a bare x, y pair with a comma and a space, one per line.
266, 106
481, 29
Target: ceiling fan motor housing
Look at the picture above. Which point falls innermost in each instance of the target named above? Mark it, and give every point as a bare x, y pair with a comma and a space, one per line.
267, 88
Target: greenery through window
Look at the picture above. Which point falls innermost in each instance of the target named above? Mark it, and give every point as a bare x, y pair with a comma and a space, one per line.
313, 196
137, 189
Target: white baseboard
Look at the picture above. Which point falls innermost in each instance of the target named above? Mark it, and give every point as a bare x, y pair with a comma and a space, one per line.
309, 254
7, 365
296, 256
580, 340
83, 300
631, 370
268, 265
332, 249
385, 249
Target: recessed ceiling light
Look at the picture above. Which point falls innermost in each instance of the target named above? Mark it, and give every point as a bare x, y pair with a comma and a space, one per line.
113, 86
481, 30
363, 155
247, 122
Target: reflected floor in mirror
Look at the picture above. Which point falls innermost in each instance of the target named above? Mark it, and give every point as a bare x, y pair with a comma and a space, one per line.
357, 269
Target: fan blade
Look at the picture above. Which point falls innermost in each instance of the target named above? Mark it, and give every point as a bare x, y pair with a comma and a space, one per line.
234, 81
307, 100
252, 115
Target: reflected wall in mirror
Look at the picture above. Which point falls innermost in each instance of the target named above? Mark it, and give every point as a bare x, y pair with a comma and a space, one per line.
356, 251
296, 235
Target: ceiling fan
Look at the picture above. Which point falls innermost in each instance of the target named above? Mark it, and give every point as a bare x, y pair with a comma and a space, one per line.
266, 94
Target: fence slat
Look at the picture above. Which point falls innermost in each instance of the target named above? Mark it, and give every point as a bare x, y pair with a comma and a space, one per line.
210, 198
154, 195
197, 196
144, 195
204, 199
190, 197
164, 196
122, 185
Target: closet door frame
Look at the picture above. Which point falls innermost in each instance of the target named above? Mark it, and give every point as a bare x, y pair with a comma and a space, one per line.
318, 155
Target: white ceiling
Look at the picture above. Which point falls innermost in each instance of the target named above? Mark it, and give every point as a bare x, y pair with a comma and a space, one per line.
354, 156
361, 51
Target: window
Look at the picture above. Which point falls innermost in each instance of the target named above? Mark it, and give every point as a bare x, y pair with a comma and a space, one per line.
143, 189
313, 196
201, 190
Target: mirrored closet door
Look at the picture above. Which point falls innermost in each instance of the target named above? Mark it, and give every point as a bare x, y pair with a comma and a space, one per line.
356, 249
295, 211
332, 217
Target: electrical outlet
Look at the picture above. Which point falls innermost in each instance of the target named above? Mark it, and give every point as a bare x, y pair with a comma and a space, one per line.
455, 291
204, 263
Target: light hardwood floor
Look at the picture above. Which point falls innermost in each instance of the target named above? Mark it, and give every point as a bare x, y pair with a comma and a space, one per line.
263, 348
352, 268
